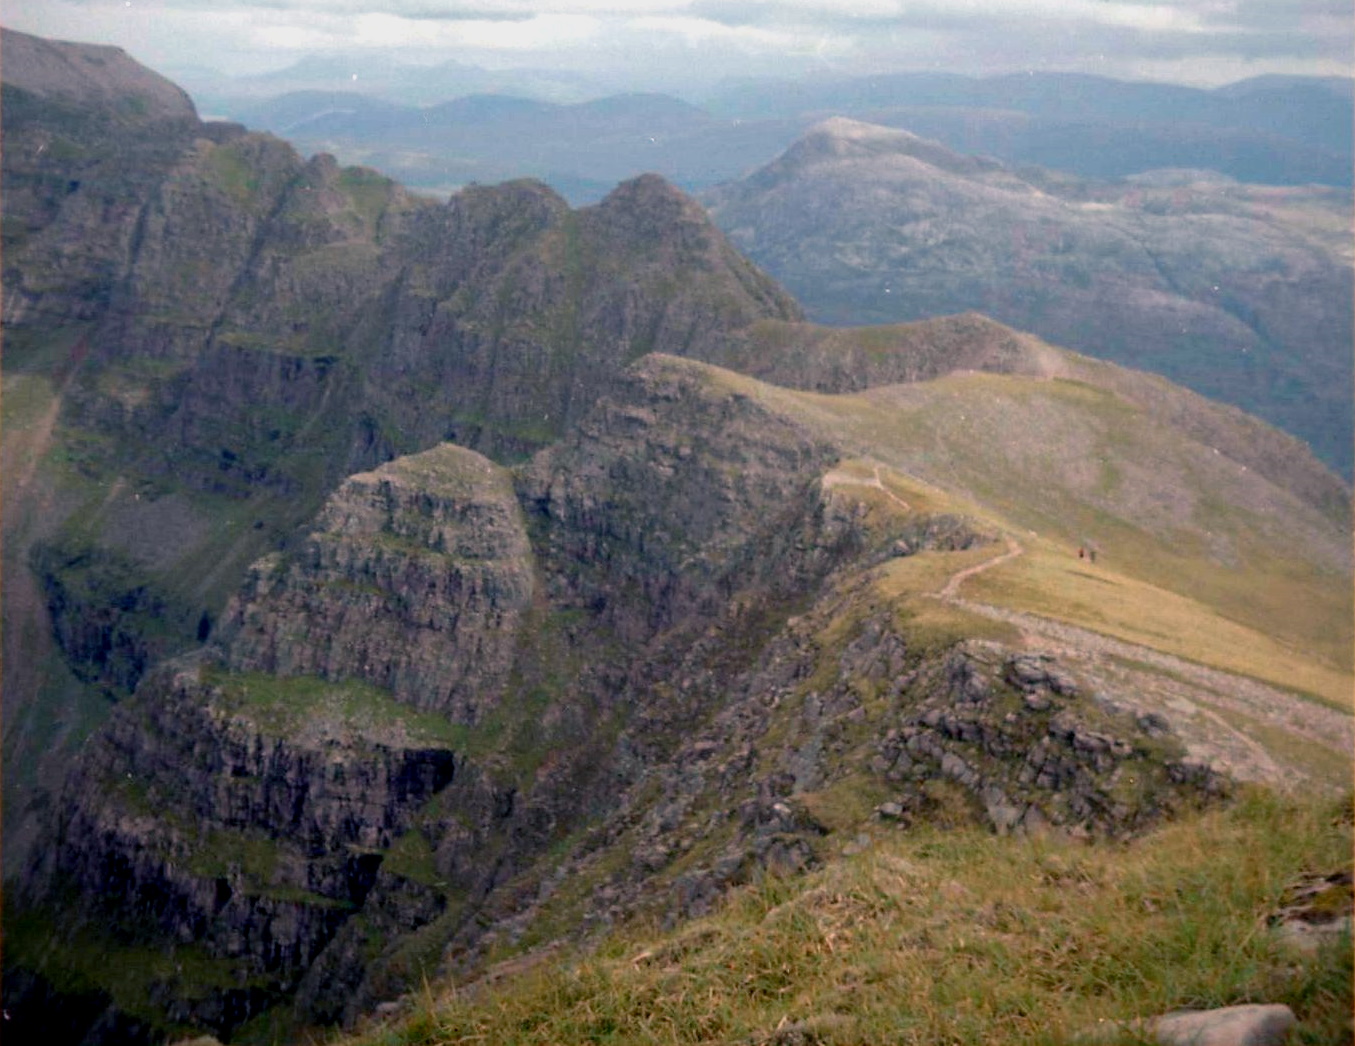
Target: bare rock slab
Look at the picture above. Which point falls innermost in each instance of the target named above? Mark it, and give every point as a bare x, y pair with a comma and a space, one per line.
1254, 1025
1249, 1025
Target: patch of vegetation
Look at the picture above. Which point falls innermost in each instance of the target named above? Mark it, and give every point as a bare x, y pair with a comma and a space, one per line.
411, 857
222, 851
369, 191
109, 616
937, 936
233, 171
284, 705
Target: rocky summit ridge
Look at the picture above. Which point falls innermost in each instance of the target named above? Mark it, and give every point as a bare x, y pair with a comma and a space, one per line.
211, 332
421, 583
91, 77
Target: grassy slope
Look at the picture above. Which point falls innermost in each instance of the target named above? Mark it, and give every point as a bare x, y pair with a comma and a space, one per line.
65, 711
1197, 557
943, 937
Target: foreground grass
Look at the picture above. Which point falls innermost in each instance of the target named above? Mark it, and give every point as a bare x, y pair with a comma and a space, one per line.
949, 937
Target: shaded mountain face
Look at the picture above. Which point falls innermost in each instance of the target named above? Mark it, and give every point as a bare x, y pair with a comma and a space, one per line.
206, 333
452, 600
92, 79
1243, 293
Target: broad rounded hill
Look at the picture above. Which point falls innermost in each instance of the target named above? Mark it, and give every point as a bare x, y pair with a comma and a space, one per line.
1241, 292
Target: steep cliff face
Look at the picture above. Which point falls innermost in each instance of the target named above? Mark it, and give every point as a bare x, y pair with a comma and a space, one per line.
248, 800
410, 706
416, 579
212, 332
238, 818
86, 130
263, 326
653, 504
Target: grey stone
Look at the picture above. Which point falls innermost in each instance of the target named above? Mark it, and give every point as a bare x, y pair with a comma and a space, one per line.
1252, 1025
1247, 1025
1004, 817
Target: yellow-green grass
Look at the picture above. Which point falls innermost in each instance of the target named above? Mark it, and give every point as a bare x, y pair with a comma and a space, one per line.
284, 705
1304, 647
1264, 606
1051, 581
939, 936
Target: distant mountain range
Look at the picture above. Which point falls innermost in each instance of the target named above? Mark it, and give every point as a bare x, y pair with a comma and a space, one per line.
1281, 131
387, 79
581, 149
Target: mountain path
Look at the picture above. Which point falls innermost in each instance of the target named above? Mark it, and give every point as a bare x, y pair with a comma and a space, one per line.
1218, 714
839, 478
951, 592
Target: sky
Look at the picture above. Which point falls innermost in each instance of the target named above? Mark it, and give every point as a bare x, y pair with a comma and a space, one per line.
645, 42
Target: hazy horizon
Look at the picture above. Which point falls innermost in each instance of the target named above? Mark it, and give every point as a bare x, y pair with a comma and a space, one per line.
690, 45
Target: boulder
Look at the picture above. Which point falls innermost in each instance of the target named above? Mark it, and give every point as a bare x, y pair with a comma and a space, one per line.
1247, 1025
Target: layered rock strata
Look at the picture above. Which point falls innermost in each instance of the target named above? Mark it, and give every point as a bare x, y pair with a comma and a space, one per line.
416, 580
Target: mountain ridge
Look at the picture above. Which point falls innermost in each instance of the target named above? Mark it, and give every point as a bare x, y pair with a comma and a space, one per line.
98, 77
1238, 292
387, 708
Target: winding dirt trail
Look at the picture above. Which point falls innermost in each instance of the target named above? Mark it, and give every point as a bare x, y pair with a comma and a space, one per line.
838, 478
951, 592
1224, 719
1242, 726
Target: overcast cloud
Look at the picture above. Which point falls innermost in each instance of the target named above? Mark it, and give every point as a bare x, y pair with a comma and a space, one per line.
673, 41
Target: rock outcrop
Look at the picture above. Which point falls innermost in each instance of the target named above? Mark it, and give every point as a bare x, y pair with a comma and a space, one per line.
416, 579
657, 502
1247, 1025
